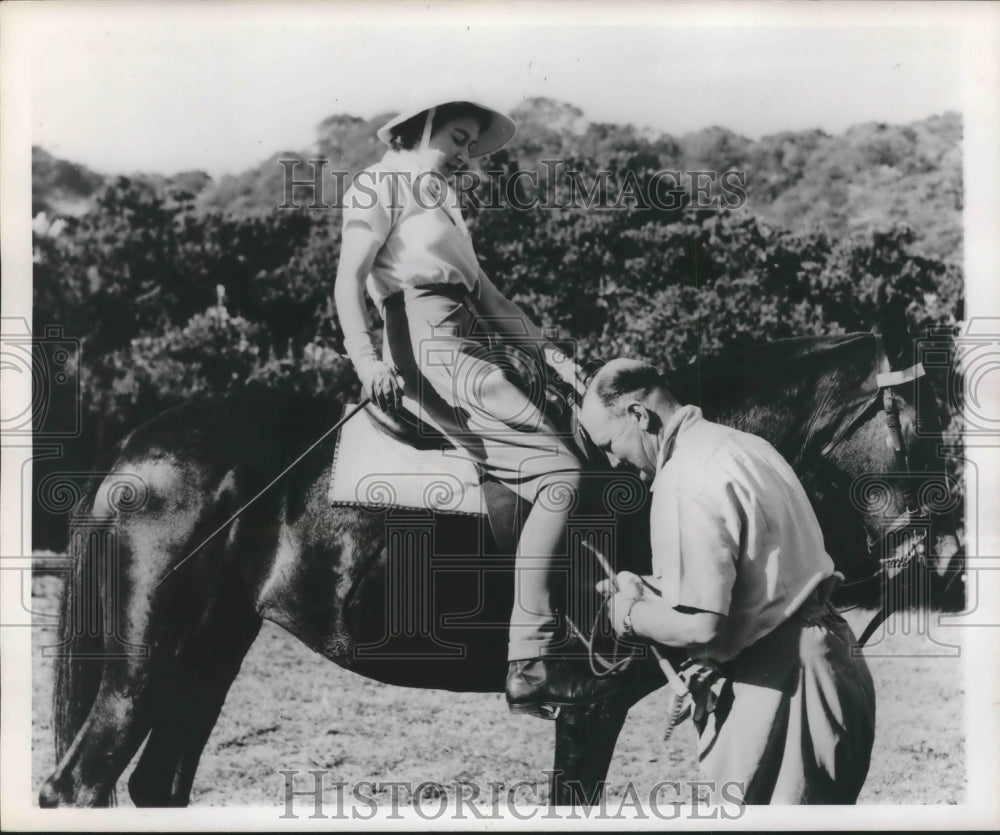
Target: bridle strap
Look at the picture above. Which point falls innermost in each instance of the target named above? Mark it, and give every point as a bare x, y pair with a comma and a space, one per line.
877, 620
849, 425
886, 379
898, 446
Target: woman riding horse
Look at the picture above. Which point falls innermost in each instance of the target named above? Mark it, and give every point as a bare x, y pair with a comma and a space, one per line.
404, 239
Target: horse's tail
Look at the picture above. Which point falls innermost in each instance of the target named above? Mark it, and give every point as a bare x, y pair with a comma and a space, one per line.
79, 664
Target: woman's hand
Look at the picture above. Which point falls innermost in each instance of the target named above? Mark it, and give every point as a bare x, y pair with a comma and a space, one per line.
383, 384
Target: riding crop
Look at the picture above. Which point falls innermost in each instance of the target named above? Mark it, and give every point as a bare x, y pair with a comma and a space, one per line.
267, 487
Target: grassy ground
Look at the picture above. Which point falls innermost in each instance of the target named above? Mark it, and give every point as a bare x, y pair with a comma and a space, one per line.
291, 710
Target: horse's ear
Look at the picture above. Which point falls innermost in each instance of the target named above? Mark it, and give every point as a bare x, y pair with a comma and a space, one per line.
894, 328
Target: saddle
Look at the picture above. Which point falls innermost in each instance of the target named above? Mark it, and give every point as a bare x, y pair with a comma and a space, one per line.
401, 461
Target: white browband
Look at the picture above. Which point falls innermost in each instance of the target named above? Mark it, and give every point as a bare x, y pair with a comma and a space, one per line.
886, 379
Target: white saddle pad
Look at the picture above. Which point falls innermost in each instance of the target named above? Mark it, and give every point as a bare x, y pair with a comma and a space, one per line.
374, 470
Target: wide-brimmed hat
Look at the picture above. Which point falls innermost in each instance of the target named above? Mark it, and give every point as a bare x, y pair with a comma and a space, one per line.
497, 133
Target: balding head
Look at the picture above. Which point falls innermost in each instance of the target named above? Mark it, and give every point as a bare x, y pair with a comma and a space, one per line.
623, 411
625, 377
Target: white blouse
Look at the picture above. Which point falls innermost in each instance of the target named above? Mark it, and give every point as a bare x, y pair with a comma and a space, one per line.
418, 224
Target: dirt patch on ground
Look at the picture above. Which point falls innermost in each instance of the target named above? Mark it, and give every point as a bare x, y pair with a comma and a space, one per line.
291, 710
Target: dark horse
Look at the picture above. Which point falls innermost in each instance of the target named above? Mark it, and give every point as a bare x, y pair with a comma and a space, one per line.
145, 660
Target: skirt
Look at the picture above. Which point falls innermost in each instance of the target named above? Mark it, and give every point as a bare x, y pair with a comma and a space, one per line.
457, 377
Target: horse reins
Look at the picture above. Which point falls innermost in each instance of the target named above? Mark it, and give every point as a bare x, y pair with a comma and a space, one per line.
680, 693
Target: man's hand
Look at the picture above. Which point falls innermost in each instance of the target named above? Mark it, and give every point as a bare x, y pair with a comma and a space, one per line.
624, 592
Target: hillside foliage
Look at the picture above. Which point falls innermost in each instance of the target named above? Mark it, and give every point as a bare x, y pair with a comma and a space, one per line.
181, 285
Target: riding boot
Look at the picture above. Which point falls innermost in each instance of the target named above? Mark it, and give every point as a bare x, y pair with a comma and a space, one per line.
538, 682
540, 686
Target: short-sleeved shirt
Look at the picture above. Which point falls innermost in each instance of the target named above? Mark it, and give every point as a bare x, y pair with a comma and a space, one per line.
732, 530
423, 239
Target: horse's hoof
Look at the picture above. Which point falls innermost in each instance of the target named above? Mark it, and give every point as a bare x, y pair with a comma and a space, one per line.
49, 797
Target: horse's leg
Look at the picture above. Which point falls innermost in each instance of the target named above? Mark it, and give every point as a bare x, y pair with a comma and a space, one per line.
139, 619
116, 726
585, 743
119, 717
189, 705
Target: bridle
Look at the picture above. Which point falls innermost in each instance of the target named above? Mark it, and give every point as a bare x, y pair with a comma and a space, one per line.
914, 522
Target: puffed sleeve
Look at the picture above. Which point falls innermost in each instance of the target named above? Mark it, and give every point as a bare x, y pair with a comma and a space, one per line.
709, 522
369, 203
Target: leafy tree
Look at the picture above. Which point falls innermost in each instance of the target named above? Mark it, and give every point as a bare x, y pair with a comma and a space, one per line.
831, 222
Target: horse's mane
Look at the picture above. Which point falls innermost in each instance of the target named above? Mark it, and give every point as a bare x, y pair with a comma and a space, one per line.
770, 364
